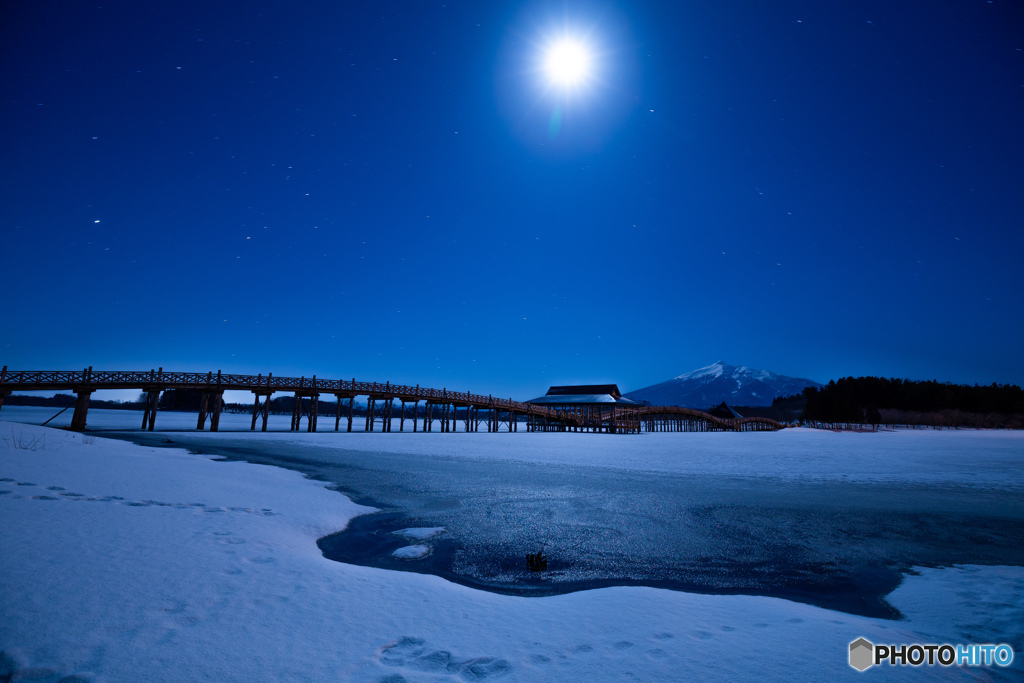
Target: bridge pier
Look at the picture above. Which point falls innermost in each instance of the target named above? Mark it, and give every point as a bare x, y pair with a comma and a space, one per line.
299, 411
337, 413
293, 426
371, 407
260, 409
211, 403
387, 411
149, 414
81, 409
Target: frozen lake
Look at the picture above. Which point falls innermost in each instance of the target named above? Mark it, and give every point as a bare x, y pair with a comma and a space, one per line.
828, 519
835, 544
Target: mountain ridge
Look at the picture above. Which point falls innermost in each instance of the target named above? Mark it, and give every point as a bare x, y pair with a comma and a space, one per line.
708, 386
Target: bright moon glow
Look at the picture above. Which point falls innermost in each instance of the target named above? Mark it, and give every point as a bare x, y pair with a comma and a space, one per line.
567, 63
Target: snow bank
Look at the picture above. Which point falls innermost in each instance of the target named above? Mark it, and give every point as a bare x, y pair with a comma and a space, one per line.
123, 563
412, 552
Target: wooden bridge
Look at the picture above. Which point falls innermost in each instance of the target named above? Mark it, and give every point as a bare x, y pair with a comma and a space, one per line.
441, 405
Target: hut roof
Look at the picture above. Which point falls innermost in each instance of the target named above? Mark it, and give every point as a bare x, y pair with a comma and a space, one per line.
610, 389
723, 411
583, 394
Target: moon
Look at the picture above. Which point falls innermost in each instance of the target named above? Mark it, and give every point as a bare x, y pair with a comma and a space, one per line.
568, 62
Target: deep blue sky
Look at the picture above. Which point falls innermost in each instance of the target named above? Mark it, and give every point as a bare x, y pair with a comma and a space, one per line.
377, 190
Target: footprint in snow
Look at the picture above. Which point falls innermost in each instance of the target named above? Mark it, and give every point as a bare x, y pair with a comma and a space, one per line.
11, 670
413, 654
72, 495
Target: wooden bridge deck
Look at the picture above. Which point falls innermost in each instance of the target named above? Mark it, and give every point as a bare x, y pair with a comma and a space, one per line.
612, 419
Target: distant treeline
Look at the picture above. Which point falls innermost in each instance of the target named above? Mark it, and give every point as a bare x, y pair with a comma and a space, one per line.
65, 400
879, 401
782, 409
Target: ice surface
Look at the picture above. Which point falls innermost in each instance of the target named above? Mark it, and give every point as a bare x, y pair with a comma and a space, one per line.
420, 533
980, 458
412, 552
119, 562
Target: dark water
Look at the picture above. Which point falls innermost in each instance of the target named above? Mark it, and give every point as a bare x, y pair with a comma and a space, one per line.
836, 545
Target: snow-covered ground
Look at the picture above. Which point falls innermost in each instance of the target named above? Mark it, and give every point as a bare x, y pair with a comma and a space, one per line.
124, 563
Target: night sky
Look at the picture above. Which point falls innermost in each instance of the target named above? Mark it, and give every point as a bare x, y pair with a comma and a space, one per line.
397, 191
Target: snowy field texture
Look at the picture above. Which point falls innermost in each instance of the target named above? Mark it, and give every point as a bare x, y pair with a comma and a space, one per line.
126, 563
985, 458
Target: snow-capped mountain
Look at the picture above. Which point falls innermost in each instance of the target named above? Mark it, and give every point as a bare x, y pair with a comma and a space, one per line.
739, 386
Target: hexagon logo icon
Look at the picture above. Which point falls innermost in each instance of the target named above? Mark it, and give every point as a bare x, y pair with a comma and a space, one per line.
862, 654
